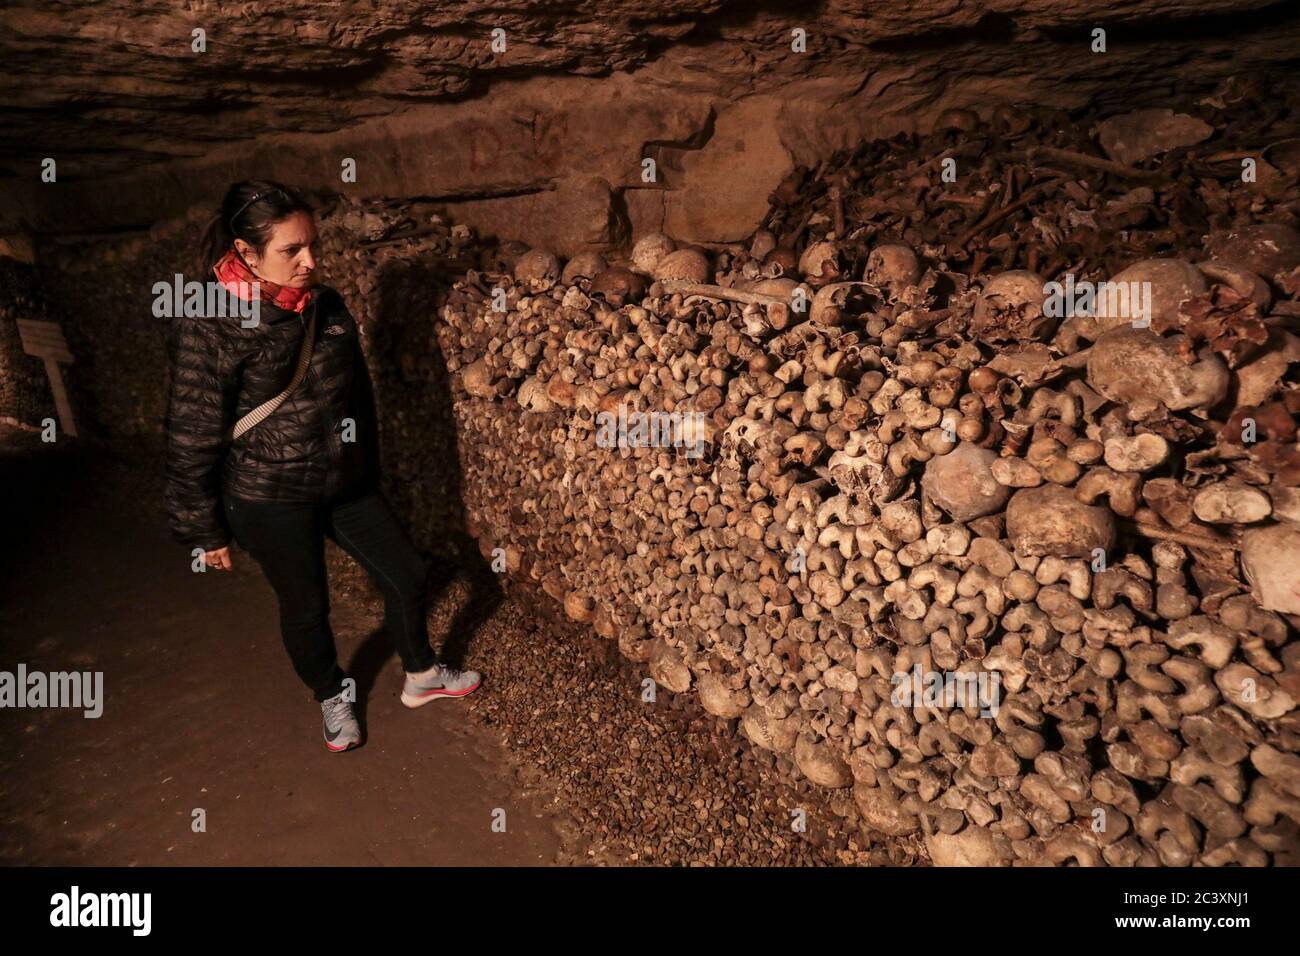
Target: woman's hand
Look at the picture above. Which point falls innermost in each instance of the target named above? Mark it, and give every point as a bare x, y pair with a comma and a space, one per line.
218, 559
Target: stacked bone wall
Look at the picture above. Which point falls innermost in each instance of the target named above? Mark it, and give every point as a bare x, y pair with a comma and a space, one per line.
930, 471
25, 396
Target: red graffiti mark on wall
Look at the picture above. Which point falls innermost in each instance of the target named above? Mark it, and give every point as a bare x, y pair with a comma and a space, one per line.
484, 148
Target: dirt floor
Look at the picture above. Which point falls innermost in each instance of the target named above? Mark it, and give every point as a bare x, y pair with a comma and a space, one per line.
203, 712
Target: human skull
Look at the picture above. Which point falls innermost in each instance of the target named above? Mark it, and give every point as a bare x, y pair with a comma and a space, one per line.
540, 268
742, 438
892, 266
686, 265
617, 285
649, 250
1010, 308
583, 265
819, 263
862, 475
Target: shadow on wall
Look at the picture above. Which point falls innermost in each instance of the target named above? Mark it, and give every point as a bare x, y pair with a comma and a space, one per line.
419, 442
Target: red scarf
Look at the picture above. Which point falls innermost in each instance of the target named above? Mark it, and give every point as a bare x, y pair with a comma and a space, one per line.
237, 279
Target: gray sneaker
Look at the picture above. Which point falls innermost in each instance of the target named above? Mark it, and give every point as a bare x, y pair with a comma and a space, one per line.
439, 681
341, 730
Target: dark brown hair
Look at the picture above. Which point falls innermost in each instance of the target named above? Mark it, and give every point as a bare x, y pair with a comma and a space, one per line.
249, 211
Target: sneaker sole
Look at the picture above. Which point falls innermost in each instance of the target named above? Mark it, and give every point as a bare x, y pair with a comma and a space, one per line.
338, 750
412, 700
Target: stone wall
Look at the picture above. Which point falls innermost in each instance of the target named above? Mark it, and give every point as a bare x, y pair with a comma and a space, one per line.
545, 141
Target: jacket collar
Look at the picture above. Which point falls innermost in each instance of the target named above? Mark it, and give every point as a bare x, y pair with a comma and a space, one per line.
324, 303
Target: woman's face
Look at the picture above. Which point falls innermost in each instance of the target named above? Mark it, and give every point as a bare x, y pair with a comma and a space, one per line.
287, 259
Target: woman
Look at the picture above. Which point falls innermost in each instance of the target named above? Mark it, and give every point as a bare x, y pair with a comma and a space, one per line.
310, 468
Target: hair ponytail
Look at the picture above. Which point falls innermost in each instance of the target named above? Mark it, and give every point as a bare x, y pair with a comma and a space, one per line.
217, 238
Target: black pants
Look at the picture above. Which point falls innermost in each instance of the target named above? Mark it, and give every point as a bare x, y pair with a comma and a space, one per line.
287, 539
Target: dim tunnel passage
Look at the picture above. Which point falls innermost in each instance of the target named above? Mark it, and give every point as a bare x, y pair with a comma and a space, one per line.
868, 438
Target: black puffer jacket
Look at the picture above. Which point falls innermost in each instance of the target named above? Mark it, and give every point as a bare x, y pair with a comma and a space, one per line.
221, 370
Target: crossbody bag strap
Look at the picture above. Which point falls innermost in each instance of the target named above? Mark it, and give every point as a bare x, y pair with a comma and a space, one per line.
263, 411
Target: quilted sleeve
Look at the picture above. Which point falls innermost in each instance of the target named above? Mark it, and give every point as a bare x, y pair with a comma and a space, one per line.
195, 425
